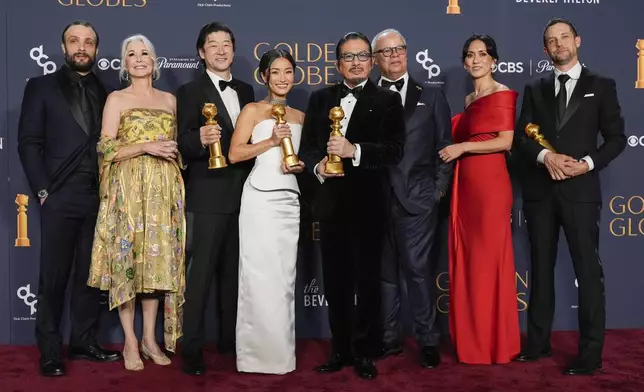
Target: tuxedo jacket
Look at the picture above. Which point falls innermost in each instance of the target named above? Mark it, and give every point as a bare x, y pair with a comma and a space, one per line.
53, 137
421, 175
377, 124
593, 109
214, 191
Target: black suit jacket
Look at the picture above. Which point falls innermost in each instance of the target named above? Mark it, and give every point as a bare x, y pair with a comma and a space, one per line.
586, 116
216, 191
53, 137
421, 175
377, 124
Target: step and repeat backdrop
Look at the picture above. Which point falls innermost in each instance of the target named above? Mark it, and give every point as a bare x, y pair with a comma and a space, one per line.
612, 39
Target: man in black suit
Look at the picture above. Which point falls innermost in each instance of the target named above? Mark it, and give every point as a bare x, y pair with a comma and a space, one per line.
418, 182
351, 207
212, 195
562, 189
59, 126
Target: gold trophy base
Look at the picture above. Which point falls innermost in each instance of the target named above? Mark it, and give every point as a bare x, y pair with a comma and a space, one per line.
334, 168
453, 10
23, 242
216, 162
291, 160
639, 84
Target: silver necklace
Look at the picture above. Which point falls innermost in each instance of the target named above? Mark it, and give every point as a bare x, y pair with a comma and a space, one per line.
276, 101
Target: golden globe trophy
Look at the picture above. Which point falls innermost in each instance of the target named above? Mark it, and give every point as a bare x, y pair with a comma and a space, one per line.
532, 130
217, 159
288, 152
334, 164
22, 238
453, 8
640, 64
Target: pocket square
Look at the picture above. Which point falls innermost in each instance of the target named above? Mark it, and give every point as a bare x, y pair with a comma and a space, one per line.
589, 95
420, 104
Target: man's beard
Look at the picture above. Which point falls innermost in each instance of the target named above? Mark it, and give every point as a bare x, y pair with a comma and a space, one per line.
564, 59
70, 60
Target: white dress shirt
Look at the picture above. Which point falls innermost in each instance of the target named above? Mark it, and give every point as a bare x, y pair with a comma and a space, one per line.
229, 96
347, 103
574, 73
403, 90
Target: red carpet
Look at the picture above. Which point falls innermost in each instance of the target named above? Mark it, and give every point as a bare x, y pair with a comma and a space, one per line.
623, 372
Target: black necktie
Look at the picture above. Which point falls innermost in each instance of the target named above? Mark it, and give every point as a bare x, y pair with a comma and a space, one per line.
562, 97
86, 105
398, 83
223, 84
346, 91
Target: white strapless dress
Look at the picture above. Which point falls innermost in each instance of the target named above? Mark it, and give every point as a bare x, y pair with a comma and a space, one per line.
269, 227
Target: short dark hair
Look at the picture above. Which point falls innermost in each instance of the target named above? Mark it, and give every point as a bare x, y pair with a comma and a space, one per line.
208, 29
78, 23
349, 37
555, 21
490, 46
269, 57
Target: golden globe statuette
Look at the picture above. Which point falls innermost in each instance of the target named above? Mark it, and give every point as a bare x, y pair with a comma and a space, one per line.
453, 8
217, 159
532, 130
288, 152
640, 64
334, 164
22, 238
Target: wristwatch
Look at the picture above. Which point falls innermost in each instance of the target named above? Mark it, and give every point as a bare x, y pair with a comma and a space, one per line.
42, 193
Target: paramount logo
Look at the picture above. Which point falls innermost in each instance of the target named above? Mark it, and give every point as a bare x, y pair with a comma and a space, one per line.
178, 63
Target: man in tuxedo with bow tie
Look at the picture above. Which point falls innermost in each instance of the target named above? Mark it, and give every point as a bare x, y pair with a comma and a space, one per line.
352, 207
213, 196
572, 105
418, 182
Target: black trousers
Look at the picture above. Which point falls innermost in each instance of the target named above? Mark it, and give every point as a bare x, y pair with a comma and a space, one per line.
351, 258
408, 248
580, 222
68, 220
215, 256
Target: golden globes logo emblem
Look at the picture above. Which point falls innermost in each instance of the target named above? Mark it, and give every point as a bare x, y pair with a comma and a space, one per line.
103, 3
629, 216
315, 62
22, 238
453, 8
640, 64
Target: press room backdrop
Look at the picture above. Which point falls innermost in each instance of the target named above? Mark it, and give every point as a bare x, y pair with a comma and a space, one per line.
610, 31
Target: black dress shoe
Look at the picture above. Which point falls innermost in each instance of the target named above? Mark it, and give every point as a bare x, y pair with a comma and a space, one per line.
334, 364
531, 355
193, 365
388, 350
51, 366
584, 366
94, 353
429, 357
365, 368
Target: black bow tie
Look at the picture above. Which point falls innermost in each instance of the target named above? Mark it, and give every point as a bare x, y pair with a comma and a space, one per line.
223, 84
398, 83
346, 91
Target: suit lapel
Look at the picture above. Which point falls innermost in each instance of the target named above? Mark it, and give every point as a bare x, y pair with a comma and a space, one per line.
363, 104
411, 99
74, 105
577, 96
223, 118
548, 96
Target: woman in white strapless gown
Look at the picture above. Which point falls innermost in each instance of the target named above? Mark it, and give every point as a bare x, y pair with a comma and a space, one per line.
269, 226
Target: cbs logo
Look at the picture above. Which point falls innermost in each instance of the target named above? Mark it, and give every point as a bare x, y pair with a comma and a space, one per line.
635, 141
105, 64
508, 67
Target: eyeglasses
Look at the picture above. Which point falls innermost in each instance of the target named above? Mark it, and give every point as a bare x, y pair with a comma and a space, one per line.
387, 52
349, 57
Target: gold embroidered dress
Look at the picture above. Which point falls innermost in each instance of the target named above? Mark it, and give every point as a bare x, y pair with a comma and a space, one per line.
139, 241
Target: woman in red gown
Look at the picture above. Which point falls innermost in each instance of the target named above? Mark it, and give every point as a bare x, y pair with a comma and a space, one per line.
484, 319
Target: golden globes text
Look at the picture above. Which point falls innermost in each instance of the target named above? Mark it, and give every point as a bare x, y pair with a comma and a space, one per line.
315, 62
628, 216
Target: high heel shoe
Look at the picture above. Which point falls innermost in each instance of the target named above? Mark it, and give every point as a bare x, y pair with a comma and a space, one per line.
162, 359
134, 365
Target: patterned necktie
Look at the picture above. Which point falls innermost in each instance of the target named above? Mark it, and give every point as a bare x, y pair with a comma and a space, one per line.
562, 97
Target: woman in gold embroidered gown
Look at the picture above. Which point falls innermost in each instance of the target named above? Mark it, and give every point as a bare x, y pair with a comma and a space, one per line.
140, 232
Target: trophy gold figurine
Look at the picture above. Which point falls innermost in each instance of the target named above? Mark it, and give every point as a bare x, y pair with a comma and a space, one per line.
22, 238
288, 153
334, 164
453, 8
217, 159
640, 64
532, 130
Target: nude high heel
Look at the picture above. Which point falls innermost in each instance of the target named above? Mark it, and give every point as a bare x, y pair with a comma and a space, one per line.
162, 359
133, 365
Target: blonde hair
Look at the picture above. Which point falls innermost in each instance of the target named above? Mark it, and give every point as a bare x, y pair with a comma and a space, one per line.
123, 75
